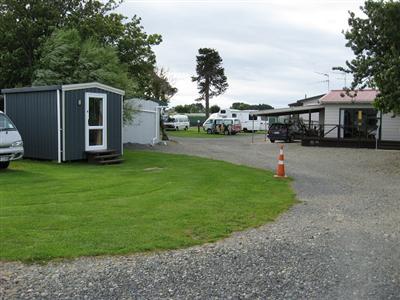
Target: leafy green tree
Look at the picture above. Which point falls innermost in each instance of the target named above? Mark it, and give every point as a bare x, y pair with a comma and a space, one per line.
67, 58
161, 89
375, 41
25, 25
135, 50
245, 106
214, 109
240, 105
60, 55
262, 107
180, 109
211, 79
189, 108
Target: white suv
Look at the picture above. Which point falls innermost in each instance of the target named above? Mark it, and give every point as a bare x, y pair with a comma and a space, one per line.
11, 146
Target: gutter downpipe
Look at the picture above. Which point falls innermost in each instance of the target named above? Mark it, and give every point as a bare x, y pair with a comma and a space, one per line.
158, 113
59, 149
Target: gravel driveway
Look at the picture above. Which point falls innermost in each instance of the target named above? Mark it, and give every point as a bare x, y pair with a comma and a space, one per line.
342, 241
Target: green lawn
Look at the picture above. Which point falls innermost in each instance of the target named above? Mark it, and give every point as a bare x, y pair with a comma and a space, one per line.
193, 133
152, 201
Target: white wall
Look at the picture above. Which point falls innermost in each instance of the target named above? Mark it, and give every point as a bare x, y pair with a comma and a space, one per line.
390, 128
331, 118
144, 129
311, 102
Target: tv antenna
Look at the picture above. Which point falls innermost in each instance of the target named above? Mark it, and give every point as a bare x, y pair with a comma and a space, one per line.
327, 78
344, 78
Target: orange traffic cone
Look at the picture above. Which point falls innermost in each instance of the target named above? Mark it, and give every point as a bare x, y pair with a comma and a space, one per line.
280, 169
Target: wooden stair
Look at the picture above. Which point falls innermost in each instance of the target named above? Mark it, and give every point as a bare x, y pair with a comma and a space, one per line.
104, 157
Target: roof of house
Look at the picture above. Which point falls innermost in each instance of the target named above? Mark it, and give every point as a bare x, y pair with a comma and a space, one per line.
340, 96
64, 87
301, 101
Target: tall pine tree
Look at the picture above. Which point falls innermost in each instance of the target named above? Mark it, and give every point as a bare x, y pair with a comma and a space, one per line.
211, 79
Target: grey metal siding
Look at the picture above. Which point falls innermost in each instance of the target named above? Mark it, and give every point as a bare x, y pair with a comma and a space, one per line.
390, 127
35, 115
75, 122
114, 122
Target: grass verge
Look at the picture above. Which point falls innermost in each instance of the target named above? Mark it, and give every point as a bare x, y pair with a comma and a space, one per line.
152, 201
192, 132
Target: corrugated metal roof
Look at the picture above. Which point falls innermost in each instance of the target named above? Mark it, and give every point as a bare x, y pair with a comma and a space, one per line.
65, 87
31, 89
340, 96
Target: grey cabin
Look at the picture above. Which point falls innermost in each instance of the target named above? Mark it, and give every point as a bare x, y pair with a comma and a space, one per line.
66, 122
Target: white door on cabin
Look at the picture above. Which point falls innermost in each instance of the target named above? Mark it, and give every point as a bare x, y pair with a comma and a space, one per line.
96, 121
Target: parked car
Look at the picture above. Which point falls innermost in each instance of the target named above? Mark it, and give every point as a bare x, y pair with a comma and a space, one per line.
177, 122
11, 145
228, 126
284, 131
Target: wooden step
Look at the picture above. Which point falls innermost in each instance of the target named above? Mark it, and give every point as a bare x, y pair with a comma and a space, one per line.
103, 157
101, 152
107, 156
110, 161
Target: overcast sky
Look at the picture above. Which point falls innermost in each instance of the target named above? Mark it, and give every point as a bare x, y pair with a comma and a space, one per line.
271, 50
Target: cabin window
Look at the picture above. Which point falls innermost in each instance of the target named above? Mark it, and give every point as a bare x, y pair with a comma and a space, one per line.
252, 117
223, 111
234, 116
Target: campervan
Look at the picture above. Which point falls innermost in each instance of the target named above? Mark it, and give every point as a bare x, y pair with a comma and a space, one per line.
248, 121
177, 122
11, 146
229, 126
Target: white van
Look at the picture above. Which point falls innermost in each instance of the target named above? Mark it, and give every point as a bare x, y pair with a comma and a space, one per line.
229, 126
11, 146
177, 122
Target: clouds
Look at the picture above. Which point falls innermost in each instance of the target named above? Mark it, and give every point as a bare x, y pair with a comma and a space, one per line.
271, 49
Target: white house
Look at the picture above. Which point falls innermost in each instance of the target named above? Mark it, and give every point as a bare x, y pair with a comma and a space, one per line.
351, 113
145, 126
345, 121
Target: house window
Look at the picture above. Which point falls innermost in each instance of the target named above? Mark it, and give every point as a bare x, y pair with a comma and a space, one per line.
359, 123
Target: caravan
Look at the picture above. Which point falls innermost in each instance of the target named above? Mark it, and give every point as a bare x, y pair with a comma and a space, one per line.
247, 120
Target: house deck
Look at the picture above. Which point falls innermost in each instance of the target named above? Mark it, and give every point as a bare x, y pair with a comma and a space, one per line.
350, 143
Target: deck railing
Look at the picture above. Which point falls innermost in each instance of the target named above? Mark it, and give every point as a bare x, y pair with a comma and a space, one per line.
341, 132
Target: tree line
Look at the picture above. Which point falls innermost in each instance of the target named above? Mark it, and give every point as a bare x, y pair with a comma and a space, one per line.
199, 107
69, 41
